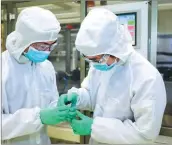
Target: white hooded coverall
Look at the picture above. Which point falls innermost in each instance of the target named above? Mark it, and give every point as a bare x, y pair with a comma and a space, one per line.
27, 87
129, 100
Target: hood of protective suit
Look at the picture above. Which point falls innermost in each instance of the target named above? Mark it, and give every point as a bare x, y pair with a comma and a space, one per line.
101, 33
34, 24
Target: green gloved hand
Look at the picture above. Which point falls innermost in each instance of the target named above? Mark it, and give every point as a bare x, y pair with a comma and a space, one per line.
67, 99
64, 100
73, 99
52, 116
83, 126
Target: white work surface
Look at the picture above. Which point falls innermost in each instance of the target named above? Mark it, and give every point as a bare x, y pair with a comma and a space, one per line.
64, 132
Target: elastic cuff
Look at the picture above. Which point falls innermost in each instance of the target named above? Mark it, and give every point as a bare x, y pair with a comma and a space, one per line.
53, 103
37, 115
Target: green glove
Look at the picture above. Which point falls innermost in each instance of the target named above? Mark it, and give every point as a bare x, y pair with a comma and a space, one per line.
52, 116
83, 126
65, 99
73, 99
62, 100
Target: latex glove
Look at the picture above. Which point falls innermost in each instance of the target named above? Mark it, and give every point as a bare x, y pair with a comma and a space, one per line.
67, 99
83, 126
72, 98
64, 100
55, 115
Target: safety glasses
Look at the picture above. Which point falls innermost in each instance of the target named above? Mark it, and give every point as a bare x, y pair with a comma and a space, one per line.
45, 47
103, 59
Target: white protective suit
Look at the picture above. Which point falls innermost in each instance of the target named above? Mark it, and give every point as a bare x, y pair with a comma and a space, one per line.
129, 100
27, 87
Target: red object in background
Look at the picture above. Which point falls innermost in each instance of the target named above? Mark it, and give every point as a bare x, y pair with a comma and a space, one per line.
69, 26
132, 34
90, 3
131, 28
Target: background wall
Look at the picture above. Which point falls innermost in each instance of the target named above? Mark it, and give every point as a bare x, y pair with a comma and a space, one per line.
165, 21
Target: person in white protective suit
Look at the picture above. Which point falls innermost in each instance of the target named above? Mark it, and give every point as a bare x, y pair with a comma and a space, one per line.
124, 90
28, 79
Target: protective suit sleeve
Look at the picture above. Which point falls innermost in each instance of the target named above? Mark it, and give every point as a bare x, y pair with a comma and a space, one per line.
55, 97
22, 122
85, 100
148, 105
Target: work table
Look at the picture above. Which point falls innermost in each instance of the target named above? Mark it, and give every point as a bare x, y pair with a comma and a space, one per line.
63, 131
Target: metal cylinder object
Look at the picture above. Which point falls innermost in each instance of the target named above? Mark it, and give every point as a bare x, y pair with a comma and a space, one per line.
68, 50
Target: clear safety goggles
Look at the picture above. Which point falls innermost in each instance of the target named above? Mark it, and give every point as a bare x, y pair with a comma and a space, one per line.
103, 59
45, 47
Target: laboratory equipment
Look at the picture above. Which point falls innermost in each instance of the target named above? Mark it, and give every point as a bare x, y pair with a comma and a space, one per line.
164, 56
130, 19
164, 65
65, 59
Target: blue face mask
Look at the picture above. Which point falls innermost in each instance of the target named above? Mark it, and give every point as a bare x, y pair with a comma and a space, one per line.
103, 67
36, 56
